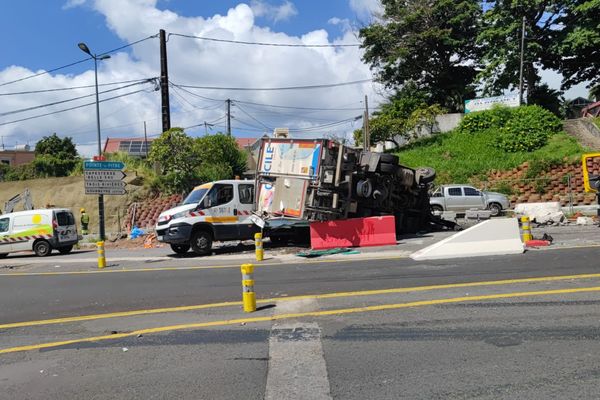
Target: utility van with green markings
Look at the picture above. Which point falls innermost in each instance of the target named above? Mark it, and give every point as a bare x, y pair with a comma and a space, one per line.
41, 230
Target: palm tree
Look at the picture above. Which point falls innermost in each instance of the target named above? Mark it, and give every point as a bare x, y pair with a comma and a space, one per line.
595, 93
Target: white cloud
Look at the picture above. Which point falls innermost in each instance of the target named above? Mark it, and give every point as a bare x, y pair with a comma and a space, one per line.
278, 13
366, 9
195, 62
73, 3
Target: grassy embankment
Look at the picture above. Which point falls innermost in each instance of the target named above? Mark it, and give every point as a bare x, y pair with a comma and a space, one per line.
461, 157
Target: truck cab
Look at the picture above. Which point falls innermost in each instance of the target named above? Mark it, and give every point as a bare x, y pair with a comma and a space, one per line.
215, 211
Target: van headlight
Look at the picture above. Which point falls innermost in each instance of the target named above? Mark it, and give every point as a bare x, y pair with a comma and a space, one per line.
182, 214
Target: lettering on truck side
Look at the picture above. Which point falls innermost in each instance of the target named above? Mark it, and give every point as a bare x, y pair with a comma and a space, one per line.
268, 158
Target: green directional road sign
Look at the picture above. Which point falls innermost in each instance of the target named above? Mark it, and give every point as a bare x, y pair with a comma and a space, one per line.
103, 165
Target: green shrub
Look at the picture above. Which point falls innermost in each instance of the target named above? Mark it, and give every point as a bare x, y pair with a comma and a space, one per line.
537, 168
477, 122
540, 185
527, 129
504, 188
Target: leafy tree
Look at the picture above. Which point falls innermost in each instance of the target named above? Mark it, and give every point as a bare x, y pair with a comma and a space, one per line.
562, 35
221, 149
54, 146
186, 162
431, 43
406, 115
550, 99
579, 46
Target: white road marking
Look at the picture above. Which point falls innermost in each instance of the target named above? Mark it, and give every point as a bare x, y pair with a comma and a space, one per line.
297, 367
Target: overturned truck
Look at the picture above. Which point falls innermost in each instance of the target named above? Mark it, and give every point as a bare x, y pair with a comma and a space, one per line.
323, 180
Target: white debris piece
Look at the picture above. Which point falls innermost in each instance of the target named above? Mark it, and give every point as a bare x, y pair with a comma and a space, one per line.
584, 221
541, 213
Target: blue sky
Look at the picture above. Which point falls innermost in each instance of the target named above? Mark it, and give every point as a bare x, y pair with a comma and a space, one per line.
44, 34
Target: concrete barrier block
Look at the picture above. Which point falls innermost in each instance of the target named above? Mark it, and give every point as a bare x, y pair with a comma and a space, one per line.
492, 237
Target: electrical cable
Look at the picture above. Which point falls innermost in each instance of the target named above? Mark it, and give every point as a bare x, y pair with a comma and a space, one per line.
65, 101
252, 117
75, 87
307, 87
71, 108
76, 62
262, 43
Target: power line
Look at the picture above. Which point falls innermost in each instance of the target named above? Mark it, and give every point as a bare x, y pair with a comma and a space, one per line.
244, 111
75, 87
76, 62
71, 108
330, 125
65, 101
262, 43
300, 108
308, 87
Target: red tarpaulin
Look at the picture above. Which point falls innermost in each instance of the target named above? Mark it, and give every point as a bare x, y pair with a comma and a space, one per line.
355, 232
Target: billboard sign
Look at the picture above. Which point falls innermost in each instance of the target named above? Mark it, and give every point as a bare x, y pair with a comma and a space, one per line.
486, 103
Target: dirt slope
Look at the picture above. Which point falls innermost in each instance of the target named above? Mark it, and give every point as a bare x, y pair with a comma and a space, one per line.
69, 192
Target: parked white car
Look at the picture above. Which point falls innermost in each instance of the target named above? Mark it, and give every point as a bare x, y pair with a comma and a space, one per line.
461, 198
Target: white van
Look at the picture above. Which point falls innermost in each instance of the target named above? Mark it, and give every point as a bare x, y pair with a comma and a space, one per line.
39, 230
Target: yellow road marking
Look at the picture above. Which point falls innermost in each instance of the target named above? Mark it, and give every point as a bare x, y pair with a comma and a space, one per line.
275, 317
290, 298
158, 269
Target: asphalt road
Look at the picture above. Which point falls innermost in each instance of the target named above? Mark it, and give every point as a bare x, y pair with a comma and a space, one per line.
535, 339
35, 297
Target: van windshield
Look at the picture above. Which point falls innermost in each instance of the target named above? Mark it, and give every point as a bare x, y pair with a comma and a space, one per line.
195, 196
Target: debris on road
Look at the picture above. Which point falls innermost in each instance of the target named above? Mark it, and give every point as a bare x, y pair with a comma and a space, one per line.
329, 252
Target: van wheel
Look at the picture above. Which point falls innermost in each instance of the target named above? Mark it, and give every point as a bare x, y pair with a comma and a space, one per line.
201, 242
42, 248
65, 249
180, 248
3, 255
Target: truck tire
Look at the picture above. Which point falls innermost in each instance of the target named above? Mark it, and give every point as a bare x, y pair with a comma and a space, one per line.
424, 175
65, 249
3, 255
180, 248
436, 207
495, 208
201, 242
42, 248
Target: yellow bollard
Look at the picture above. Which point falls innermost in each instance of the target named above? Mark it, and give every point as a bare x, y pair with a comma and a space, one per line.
101, 257
525, 229
258, 242
248, 295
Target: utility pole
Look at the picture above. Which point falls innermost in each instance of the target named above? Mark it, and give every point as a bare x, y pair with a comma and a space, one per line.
146, 140
164, 83
229, 117
521, 67
366, 133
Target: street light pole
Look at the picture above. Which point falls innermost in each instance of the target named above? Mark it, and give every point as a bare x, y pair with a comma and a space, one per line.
86, 50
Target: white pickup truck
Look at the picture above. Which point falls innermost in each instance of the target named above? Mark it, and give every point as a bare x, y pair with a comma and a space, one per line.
462, 198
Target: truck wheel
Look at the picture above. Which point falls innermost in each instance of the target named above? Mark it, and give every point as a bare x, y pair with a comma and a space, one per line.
495, 208
425, 175
437, 208
201, 242
42, 248
180, 248
65, 250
